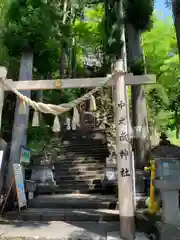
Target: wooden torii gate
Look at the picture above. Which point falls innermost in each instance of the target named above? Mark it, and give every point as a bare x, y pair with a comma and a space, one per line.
123, 146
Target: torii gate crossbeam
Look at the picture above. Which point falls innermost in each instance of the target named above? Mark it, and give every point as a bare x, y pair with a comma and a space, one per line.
78, 82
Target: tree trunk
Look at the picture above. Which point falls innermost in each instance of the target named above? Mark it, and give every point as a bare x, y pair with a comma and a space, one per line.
177, 132
141, 140
63, 50
62, 62
19, 133
73, 43
73, 59
69, 62
176, 14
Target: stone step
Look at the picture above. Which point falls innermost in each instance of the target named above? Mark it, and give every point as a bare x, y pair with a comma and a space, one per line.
79, 177
78, 164
80, 168
78, 174
78, 184
81, 157
69, 188
81, 171
89, 151
83, 131
85, 143
82, 143
72, 190
59, 190
51, 214
83, 147
67, 204
81, 140
85, 138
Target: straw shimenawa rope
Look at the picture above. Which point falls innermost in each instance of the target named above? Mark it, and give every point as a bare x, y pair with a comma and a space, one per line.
55, 109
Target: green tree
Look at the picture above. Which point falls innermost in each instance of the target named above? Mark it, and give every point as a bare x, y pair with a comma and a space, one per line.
3, 52
172, 83
160, 48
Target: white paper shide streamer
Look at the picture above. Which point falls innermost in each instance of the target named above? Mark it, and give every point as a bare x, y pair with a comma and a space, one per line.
35, 120
93, 106
22, 107
75, 119
74, 126
68, 124
56, 125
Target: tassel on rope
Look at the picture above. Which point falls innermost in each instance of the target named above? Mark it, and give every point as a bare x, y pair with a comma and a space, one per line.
74, 126
76, 117
56, 125
22, 107
93, 106
68, 124
35, 120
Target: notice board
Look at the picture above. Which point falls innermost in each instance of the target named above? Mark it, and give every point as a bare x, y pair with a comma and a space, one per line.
25, 155
19, 183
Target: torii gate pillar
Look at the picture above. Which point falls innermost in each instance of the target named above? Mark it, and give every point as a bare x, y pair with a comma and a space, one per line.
124, 158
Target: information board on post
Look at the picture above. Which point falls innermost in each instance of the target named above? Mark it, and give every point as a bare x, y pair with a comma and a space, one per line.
25, 155
19, 183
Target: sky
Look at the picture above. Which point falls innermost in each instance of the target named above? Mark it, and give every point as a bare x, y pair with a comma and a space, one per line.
160, 6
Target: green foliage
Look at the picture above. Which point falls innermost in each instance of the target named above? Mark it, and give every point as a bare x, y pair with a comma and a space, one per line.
46, 61
162, 120
3, 50
28, 26
138, 13
88, 32
157, 44
157, 98
174, 92
161, 56
137, 67
39, 136
112, 33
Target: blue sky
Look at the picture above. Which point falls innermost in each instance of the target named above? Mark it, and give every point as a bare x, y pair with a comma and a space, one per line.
160, 6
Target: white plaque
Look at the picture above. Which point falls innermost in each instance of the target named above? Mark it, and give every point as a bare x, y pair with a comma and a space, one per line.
19, 185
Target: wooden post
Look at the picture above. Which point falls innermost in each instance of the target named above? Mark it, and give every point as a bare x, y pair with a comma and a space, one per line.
3, 74
19, 133
124, 159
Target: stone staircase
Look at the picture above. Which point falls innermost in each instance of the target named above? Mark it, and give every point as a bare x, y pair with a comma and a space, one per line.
66, 207
79, 160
